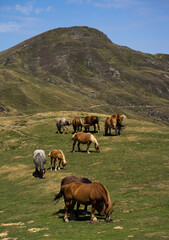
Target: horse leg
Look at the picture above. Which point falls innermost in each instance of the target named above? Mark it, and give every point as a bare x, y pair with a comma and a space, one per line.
55, 163
67, 204
71, 209
59, 163
115, 131
94, 125
79, 146
73, 148
85, 210
88, 145
93, 217
51, 160
98, 127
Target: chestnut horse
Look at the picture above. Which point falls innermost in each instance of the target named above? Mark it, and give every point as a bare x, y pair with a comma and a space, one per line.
91, 121
71, 179
86, 194
77, 124
57, 155
112, 123
84, 138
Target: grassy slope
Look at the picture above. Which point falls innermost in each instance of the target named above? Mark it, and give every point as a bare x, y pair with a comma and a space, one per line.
133, 167
78, 67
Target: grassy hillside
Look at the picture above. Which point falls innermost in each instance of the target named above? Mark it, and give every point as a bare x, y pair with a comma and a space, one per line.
79, 68
133, 167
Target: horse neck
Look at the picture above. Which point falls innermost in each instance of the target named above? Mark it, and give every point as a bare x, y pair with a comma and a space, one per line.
94, 140
107, 199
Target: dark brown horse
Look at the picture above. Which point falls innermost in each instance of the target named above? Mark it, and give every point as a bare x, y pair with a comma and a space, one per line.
86, 194
91, 121
71, 179
77, 124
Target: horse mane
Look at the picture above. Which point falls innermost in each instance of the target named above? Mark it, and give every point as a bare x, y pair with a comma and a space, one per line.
94, 140
39, 157
64, 160
106, 192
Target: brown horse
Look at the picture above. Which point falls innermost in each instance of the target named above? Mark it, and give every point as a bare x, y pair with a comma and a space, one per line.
112, 123
84, 138
91, 121
71, 179
57, 155
77, 124
86, 194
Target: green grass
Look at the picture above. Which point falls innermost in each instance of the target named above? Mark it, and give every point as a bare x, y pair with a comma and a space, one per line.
134, 168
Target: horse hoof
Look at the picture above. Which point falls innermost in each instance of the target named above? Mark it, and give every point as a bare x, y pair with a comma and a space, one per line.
88, 152
66, 220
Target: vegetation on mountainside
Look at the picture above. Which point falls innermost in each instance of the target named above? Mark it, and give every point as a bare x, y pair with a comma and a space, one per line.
78, 68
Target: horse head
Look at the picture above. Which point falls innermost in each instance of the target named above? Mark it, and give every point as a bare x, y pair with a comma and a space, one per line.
42, 173
97, 147
108, 211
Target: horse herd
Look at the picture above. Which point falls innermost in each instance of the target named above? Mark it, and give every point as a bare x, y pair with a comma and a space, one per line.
76, 190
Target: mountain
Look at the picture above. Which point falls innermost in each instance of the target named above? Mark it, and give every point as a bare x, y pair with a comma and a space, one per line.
79, 68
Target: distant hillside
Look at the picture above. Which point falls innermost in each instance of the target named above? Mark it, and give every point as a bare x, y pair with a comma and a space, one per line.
80, 68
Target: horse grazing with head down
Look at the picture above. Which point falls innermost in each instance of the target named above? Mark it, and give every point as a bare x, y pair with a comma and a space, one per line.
39, 159
84, 138
86, 194
71, 179
57, 155
91, 121
77, 124
61, 123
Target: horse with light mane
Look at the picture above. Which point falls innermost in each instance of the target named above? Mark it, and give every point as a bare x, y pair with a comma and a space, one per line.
77, 124
71, 179
84, 138
57, 155
60, 123
119, 116
91, 121
39, 159
86, 194
112, 123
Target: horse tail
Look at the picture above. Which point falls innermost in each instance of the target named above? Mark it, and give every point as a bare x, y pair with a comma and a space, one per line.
72, 138
49, 154
58, 196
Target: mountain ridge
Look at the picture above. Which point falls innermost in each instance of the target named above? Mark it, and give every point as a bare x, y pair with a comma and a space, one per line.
77, 67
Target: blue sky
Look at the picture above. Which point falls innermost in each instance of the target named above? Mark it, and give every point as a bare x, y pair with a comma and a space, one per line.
142, 25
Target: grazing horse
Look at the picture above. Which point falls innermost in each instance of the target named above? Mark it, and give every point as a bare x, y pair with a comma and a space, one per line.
85, 138
57, 155
86, 194
60, 123
119, 116
71, 179
77, 124
91, 121
39, 159
112, 123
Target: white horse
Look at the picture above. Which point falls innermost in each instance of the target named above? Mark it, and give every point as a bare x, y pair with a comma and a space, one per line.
39, 159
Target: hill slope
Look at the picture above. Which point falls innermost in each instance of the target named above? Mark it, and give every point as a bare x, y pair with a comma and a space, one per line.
80, 68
